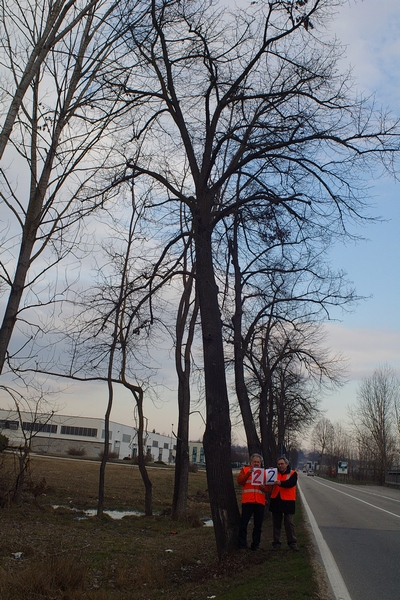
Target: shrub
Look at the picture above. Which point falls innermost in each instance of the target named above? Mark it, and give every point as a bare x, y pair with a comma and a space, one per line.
76, 451
44, 578
111, 455
193, 468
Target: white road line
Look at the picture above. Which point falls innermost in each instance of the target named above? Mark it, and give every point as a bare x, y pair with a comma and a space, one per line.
359, 499
335, 579
362, 491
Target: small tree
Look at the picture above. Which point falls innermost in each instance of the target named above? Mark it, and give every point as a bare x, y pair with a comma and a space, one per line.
322, 438
373, 419
22, 450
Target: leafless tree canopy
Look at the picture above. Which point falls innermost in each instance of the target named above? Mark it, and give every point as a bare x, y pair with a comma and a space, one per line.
374, 419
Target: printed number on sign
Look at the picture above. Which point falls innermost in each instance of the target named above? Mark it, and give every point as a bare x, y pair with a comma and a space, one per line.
264, 476
271, 475
257, 477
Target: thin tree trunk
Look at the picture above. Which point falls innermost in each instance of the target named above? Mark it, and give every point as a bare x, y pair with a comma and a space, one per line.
181, 482
148, 486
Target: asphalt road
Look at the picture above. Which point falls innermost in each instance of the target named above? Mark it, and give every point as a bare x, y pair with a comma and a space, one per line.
361, 526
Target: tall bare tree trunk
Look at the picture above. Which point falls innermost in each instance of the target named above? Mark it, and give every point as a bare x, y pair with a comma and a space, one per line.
217, 436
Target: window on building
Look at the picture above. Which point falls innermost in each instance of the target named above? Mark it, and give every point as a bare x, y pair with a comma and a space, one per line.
42, 427
166, 445
155, 444
6, 424
103, 434
126, 438
194, 454
81, 431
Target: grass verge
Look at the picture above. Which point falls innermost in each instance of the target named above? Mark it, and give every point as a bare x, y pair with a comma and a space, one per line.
57, 554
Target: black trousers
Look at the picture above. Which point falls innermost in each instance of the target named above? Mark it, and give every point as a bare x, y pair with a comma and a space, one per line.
257, 512
289, 529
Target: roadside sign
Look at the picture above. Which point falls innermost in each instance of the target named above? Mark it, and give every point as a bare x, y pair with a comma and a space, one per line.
342, 467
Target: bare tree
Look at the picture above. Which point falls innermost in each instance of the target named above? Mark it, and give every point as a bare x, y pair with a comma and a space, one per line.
322, 438
288, 371
40, 413
113, 328
105, 340
256, 93
57, 116
282, 292
373, 418
341, 448
240, 344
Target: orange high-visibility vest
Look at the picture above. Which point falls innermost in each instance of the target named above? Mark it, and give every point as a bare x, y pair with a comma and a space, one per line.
250, 493
286, 493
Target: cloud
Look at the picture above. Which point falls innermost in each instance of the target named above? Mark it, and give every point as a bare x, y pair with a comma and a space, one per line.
365, 348
370, 34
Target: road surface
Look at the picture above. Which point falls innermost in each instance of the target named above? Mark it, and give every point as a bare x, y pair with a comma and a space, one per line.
361, 526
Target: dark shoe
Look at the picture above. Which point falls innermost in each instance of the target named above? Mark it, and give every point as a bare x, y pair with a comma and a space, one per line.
276, 546
295, 548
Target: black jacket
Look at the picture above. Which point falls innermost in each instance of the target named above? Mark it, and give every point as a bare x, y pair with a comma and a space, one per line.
287, 507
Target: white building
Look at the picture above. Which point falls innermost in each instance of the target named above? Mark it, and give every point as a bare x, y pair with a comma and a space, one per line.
196, 453
59, 434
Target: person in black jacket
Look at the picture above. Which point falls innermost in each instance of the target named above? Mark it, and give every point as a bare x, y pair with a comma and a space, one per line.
283, 505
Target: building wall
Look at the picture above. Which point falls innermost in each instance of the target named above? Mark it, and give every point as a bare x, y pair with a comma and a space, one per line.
196, 453
53, 433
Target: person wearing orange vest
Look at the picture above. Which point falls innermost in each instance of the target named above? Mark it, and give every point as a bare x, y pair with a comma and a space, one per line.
283, 504
253, 503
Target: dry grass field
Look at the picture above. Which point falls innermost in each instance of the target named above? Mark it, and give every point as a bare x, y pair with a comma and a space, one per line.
61, 554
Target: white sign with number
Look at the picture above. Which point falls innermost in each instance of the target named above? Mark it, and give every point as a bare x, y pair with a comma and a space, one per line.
271, 475
264, 476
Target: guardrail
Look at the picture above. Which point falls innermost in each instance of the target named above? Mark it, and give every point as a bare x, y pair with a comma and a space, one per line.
392, 479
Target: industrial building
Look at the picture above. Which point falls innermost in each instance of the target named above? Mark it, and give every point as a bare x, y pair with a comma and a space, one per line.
63, 434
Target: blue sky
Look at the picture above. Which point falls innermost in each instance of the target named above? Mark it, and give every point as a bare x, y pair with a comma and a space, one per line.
370, 336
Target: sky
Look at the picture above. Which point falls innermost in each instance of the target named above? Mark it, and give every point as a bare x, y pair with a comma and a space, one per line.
369, 337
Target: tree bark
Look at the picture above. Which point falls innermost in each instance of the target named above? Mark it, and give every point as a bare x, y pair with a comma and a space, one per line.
253, 440
217, 436
181, 482
148, 486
